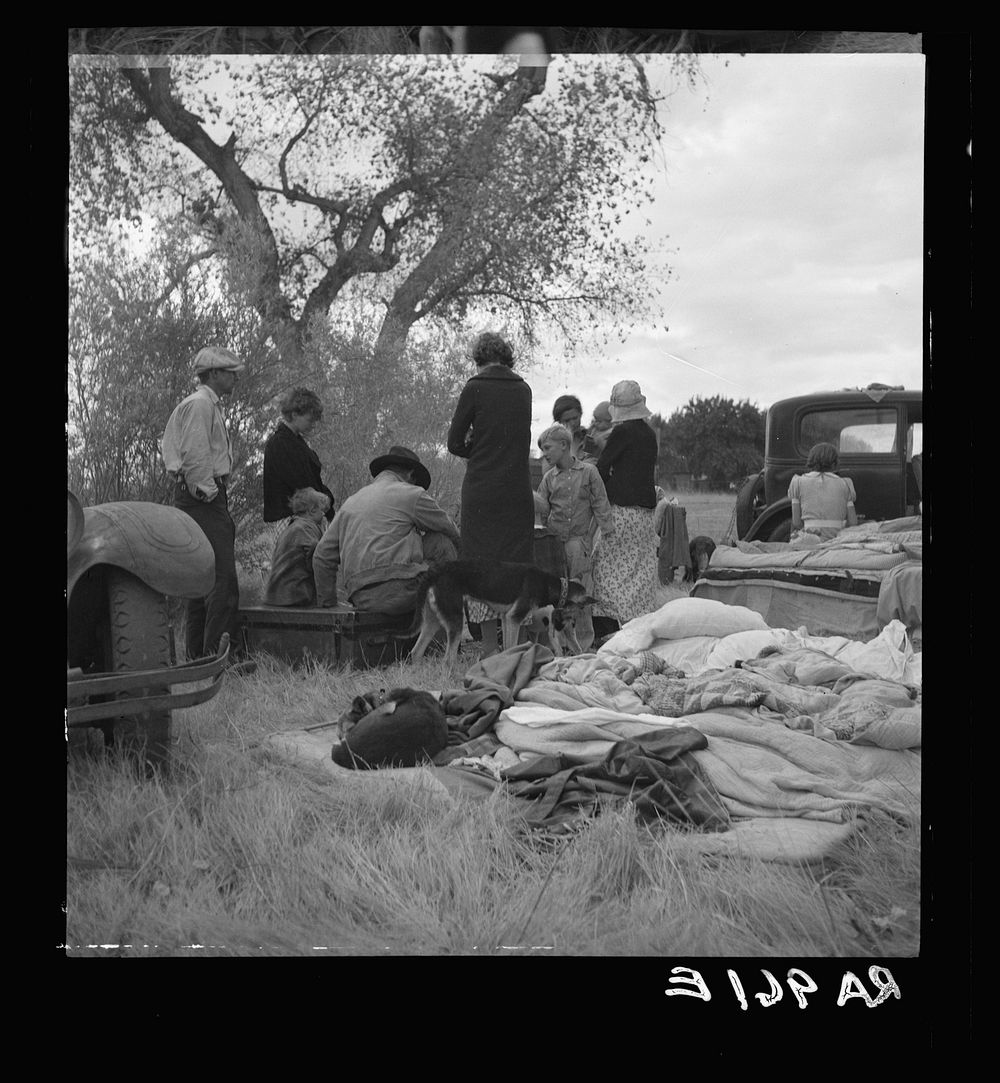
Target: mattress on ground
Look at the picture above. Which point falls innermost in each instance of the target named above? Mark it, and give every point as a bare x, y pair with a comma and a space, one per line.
853, 584
831, 604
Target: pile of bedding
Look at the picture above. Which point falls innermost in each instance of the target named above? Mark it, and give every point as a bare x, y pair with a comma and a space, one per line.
795, 726
761, 741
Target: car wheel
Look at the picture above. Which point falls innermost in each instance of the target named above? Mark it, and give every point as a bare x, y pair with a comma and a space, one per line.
139, 638
749, 503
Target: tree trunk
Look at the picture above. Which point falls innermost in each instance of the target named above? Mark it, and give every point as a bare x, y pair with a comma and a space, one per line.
156, 94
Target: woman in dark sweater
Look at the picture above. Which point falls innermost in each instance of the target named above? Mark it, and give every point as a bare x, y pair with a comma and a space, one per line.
491, 428
290, 463
625, 568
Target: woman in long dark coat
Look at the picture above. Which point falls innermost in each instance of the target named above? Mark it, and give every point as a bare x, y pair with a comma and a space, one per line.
491, 428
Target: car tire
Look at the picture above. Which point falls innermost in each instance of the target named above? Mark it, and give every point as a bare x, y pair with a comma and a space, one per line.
749, 502
138, 639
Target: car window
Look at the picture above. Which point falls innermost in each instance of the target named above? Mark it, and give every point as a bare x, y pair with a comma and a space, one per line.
857, 429
915, 440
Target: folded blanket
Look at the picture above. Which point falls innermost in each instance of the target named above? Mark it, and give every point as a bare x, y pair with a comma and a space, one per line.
757, 767
490, 685
656, 772
873, 554
801, 665
603, 689
792, 841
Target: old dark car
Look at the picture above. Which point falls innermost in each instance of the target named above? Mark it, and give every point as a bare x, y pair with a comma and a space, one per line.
122, 560
878, 432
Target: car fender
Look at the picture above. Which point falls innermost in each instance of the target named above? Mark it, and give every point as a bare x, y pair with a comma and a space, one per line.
768, 519
163, 546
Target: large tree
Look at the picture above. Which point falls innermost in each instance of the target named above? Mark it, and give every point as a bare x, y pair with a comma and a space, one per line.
720, 439
438, 187
133, 329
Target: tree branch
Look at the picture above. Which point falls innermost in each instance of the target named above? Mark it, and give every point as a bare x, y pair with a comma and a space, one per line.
297, 194
155, 92
476, 156
176, 276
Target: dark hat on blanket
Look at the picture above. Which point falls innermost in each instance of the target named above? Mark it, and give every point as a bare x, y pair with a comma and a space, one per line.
402, 456
386, 737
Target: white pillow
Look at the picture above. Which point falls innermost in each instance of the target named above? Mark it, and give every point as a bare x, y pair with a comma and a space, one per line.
685, 617
690, 655
740, 646
633, 636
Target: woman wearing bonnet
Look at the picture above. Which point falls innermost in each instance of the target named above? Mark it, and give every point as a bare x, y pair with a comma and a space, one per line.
491, 428
625, 571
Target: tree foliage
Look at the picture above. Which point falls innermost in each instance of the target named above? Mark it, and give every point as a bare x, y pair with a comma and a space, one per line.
134, 330
716, 437
437, 189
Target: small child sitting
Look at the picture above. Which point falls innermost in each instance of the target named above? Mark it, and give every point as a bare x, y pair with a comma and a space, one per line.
577, 501
291, 580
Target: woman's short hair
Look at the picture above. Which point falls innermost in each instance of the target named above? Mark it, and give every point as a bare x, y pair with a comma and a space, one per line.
300, 400
492, 349
564, 403
556, 432
822, 457
303, 501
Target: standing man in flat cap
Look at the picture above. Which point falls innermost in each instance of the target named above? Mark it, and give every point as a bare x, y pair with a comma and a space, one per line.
198, 456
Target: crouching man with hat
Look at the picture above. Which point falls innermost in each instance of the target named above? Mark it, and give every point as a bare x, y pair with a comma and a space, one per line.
198, 456
383, 537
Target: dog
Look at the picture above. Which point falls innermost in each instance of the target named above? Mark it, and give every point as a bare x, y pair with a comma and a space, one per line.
701, 549
398, 728
558, 626
514, 590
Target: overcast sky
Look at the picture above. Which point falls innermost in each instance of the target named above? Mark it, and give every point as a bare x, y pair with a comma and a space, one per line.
792, 202
789, 209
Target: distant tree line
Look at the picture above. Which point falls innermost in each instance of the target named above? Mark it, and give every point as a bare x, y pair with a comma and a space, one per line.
713, 438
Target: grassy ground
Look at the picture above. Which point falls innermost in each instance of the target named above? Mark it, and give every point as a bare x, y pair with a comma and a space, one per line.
710, 514
237, 853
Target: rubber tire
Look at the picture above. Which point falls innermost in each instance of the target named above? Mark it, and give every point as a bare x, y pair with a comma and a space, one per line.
139, 638
782, 532
749, 499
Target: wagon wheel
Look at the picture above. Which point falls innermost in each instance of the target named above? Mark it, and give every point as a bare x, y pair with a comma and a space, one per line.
138, 638
749, 503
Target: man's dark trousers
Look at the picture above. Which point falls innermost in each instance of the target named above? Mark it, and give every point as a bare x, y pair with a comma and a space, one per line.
208, 618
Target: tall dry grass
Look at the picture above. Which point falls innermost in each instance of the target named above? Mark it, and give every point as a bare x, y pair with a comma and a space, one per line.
239, 853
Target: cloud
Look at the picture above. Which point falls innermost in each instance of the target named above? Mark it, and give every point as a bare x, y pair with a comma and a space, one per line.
790, 214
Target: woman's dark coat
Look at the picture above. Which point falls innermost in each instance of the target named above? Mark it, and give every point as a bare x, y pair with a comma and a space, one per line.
628, 465
492, 429
289, 464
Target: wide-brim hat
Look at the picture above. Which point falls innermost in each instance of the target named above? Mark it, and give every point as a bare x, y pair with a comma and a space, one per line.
628, 403
217, 357
402, 456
